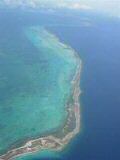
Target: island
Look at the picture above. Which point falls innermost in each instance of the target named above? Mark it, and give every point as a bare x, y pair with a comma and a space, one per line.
60, 138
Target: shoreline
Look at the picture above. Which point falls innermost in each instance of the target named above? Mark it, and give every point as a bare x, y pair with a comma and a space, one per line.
54, 142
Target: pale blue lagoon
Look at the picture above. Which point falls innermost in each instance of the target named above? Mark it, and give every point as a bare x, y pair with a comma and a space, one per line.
35, 85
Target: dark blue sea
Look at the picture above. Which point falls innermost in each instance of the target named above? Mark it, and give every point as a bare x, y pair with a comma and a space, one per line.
97, 40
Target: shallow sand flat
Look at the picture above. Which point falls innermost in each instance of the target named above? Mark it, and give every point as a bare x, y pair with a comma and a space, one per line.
45, 93
54, 142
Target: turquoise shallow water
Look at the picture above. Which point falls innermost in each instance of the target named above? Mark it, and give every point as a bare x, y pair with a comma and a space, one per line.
34, 87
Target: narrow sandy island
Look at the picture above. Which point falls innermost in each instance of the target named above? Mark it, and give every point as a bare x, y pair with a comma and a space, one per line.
62, 137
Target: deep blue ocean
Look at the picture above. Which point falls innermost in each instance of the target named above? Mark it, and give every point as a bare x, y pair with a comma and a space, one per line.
97, 40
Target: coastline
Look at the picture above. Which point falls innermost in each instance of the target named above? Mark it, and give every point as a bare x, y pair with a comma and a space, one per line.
56, 142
